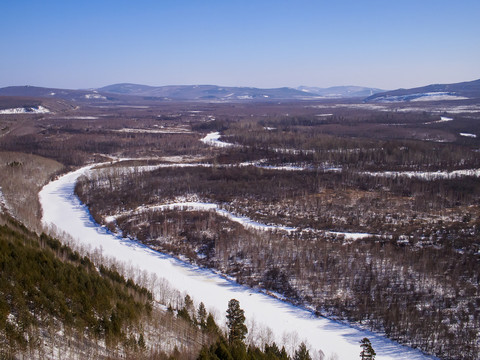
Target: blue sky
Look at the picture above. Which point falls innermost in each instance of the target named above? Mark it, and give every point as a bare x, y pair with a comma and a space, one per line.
385, 44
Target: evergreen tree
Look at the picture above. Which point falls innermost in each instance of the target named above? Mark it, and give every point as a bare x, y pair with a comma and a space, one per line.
210, 326
302, 353
367, 352
236, 322
202, 315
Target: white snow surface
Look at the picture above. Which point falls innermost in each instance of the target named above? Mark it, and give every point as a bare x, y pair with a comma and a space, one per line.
64, 210
80, 117
427, 175
95, 96
176, 130
429, 96
26, 110
438, 96
468, 135
442, 120
3, 202
213, 139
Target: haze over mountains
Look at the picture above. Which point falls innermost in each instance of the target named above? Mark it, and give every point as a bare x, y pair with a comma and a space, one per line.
436, 92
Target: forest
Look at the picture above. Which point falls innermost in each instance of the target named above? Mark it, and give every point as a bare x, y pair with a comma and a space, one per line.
371, 215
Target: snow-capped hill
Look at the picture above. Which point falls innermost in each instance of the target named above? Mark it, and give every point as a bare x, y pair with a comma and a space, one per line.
435, 92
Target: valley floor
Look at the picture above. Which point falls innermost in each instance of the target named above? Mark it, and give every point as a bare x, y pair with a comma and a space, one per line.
267, 316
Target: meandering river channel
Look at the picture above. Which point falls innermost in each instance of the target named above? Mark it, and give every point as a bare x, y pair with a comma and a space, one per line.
64, 210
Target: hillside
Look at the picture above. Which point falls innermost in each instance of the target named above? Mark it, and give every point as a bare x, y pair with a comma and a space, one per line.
53, 93
435, 92
57, 304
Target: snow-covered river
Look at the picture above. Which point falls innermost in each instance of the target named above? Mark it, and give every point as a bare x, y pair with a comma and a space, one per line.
288, 323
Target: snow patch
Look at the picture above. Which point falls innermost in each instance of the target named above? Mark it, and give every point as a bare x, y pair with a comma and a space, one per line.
176, 130
80, 117
350, 236
426, 175
213, 139
95, 96
26, 110
203, 206
3, 202
468, 135
430, 96
439, 96
442, 120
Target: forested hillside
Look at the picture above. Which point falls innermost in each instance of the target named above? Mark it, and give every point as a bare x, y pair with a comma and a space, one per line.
56, 303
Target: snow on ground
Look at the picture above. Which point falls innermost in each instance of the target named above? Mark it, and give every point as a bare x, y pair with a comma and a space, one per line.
79, 117
430, 96
427, 175
442, 120
242, 220
176, 130
468, 135
213, 139
203, 206
3, 202
26, 110
350, 236
64, 210
95, 96
438, 96
440, 109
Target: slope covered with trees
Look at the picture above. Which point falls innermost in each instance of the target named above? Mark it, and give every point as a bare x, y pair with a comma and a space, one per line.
56, 303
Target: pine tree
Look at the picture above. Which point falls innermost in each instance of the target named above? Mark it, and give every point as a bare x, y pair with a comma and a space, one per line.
367, 352
210, 326
202, 315
236, 322
302, 353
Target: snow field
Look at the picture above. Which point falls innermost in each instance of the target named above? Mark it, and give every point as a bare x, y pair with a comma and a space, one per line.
213, 139
468, 135
26, 110
63, 209
426, 175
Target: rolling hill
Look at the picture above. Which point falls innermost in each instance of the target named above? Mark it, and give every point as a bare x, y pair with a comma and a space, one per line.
434, 92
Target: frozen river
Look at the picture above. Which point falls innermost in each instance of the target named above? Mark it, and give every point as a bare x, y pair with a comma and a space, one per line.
288, 323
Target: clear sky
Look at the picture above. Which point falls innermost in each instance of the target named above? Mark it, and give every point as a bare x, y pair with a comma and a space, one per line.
260, 43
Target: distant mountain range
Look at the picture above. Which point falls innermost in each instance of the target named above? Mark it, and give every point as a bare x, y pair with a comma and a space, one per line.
119, 92
41, 92
435, 92
205, 92
214, 92
340, 91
